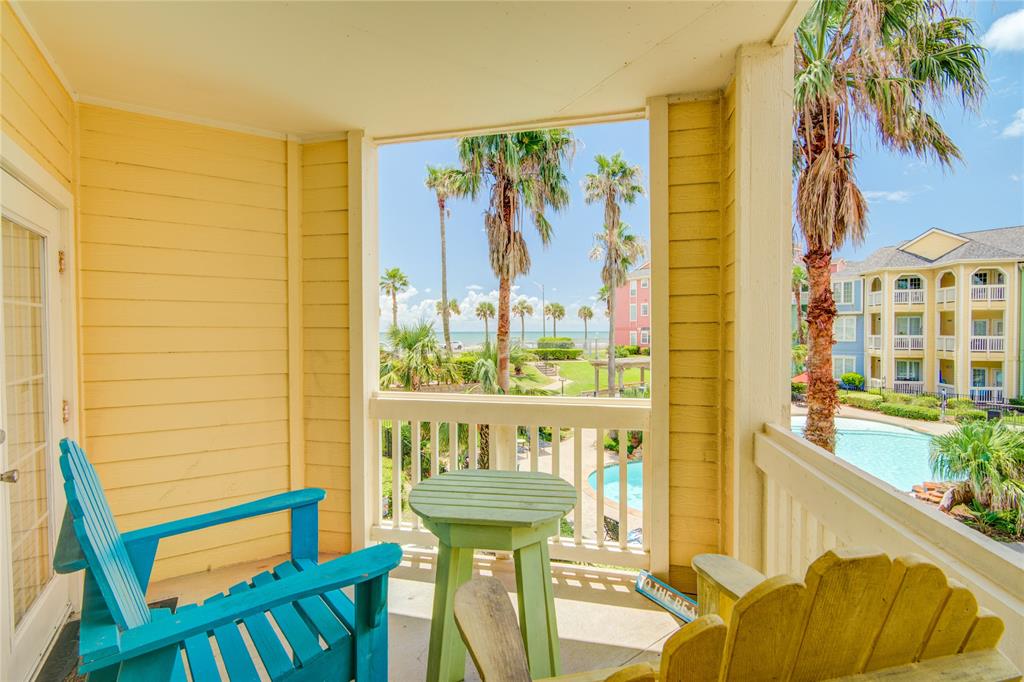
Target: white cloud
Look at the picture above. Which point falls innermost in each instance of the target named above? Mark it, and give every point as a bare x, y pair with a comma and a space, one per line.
474, 287
1006, 34
899, 196
1016, 127
1014, 177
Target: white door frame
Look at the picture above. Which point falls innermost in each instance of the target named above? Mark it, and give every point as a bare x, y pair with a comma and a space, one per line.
63, 589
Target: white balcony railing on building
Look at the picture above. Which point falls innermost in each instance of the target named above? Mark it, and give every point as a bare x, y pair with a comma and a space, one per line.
950, 389
907, 296
988, 292
987, 394
908, 342
907, 387
987, 344
875, 383
874, 342
814, 501
945, 344
945, 295
875, 298
512, 426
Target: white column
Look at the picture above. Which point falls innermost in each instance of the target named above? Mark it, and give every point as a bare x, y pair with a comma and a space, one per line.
764, 86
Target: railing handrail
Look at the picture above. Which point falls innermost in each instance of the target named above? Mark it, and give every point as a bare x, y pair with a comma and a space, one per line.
895, 521
609, 413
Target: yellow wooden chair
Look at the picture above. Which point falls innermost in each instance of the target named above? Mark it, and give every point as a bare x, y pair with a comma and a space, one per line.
856, 616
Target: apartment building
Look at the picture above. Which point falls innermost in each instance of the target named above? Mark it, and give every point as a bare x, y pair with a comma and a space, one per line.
633, 309
848, 327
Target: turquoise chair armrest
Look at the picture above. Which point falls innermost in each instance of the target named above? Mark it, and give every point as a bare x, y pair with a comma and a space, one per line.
361, 567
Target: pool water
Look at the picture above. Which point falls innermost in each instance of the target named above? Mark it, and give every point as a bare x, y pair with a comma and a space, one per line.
894, 454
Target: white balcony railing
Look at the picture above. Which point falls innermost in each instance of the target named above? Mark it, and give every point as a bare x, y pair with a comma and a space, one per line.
987, 344
987, 394
908, 296
908, 343
988, 292
875, 298
950, 389
945, 344
945, 295
514, 441
907, 387
875, 383
874, 342
815, 501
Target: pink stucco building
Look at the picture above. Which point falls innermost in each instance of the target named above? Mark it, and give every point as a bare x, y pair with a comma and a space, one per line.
633, 309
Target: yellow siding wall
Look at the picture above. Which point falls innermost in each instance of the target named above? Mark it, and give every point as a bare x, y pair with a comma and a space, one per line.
728, 310
325, 332
36, 111
183, 309
695, 332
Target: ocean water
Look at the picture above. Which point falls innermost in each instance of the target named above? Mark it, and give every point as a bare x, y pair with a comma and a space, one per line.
595, 337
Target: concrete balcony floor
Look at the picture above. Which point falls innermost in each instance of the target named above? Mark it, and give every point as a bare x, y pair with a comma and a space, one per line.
602, 621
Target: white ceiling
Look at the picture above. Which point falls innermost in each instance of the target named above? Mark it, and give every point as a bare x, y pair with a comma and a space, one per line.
395, 68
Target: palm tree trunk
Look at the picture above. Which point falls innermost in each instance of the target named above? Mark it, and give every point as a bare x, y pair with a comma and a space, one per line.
611, 343
504, 324
522, 330
822, 401
554, 326
487, 333
444, 281
394, 309
799, 316
584, 335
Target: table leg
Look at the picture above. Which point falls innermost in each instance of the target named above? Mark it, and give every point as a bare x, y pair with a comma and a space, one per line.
446, 661
537, 610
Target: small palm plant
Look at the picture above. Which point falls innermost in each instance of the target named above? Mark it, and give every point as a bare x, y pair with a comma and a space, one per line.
485, 311
392, 283
522, 309
415, 357
556, 311
986, 459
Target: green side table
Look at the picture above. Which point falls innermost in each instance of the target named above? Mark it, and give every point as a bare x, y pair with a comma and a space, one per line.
497, 510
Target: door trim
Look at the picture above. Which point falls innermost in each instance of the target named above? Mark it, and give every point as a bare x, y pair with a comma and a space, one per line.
25, 169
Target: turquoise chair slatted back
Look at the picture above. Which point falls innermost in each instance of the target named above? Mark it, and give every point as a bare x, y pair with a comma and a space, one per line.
100, 540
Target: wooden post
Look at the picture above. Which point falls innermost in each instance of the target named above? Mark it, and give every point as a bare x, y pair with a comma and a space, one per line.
296, 427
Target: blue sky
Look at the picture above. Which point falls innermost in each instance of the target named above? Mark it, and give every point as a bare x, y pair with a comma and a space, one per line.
907, 196
409, 234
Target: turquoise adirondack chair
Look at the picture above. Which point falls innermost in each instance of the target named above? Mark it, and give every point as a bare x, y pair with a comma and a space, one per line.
121, 638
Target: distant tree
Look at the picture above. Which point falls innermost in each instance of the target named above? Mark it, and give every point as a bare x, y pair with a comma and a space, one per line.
625, 251
485, 311
392, 283
453, 308
446, 183
522, 309
798, 280
556, 311
586, 313
604, 297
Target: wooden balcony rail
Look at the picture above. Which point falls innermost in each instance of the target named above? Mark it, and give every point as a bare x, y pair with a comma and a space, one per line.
874, 342
945, 343
988, 292
987, 344
814, 501
946, 295
908, 343
907, 387
875, 298
907, 296
512, 426
987, 394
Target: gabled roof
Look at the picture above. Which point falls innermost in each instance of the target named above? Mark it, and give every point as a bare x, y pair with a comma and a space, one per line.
1004, 243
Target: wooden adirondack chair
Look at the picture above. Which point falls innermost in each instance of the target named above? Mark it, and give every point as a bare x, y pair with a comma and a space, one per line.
857, 616
122, 638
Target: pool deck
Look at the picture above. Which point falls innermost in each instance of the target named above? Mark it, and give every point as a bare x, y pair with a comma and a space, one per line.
928, 428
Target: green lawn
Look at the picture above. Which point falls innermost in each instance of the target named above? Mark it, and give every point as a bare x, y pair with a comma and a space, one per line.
582, 375
532, 378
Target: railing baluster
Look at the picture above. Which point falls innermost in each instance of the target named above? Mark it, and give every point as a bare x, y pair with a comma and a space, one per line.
472, 445
415, 461
453, 446
577, 474
378, 447
599, 446
623, 497
556, 447
534, 446
434, 447
396, 473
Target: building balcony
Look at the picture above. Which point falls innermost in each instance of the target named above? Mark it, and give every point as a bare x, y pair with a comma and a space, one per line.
875, 298
945, 295
908, 296
945, 344
874, 342
908, 343
988, 344
987, 394
908, 387
988, 292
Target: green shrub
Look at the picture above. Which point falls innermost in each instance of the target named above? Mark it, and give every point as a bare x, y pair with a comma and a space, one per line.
646, 350
626, 351
897, 398
969, 415
464, 365
1019, 402
909, 411
798, 387
960, 404
555, 342
925, 401
865, 401
547, 354
853, 380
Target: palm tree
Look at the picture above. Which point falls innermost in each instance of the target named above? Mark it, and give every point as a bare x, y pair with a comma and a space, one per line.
586, 313
485, 311
604, 297
392, 283
620, 250
987, 460
525, 174
446, 183
797, 282
615, 181
522, 309
453, 309
869, 66
414, 357
556, 311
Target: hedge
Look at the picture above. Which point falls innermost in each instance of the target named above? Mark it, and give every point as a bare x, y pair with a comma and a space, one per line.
960, 404
865, 401
555, 342
626, 351
897, 398
465, 364
798, 387
547, 354
969, 415
853, 380
909, 411
925, 401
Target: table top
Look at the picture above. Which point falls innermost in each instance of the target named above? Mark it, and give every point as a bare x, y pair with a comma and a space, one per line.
493, 498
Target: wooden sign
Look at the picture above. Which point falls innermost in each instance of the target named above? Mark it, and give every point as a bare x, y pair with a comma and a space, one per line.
668, 598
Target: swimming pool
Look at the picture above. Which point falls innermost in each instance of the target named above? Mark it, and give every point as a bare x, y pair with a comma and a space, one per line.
634, 484
894, 454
